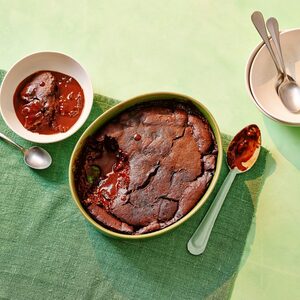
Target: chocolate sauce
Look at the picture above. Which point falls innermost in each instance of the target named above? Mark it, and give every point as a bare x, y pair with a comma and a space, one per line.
48, 102
137, 137
114, 185
243, 146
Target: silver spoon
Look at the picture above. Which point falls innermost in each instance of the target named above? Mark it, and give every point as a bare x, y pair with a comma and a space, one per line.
288, 90
239, 160
34, 157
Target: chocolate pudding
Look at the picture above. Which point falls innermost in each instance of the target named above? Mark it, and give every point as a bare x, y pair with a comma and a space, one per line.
146, 168
48, 102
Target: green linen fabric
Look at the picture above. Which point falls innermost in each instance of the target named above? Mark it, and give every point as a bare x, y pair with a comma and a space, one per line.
49, 251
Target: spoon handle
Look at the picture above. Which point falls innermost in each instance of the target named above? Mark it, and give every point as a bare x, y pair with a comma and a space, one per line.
8, 140
259, 23
197, 243
273, 27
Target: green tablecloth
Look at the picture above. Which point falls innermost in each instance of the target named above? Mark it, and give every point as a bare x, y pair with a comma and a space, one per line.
49, 251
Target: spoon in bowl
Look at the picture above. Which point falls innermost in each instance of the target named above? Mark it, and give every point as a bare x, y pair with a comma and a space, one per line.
288, 90
34, 157
242, 153
286, 87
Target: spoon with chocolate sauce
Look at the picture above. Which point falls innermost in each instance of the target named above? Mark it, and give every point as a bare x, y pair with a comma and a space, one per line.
242, 153
34, 157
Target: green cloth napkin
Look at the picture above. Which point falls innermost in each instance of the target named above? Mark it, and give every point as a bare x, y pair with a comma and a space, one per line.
49, 251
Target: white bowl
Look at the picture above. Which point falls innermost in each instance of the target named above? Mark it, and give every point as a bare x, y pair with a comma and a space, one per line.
52, 61
261, 75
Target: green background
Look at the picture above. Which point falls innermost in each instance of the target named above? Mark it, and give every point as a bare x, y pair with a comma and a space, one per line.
198, 48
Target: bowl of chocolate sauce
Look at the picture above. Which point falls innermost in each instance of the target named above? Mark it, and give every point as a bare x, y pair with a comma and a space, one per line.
46, 97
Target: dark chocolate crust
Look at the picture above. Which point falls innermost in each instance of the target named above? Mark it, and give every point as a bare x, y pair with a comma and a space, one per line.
165, 153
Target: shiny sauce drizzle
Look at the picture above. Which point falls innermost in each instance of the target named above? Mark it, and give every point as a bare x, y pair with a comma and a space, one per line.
137, 137
243, 146
115, 184
48, 102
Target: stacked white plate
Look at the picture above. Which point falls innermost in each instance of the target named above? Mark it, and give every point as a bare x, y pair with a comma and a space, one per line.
261, 77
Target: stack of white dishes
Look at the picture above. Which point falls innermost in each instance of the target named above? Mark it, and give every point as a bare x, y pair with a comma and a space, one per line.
261, 77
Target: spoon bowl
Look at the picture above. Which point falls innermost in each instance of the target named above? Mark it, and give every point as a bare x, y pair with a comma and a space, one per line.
244, 149
37, 158
34, 157
289, 93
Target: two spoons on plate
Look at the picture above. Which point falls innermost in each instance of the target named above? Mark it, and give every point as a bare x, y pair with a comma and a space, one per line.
286, 87
242, 153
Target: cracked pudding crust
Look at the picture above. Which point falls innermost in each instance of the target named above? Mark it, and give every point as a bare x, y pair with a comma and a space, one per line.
147, 168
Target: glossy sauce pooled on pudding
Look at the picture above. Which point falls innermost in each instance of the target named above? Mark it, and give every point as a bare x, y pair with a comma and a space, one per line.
243, 147
48, 102
147, 168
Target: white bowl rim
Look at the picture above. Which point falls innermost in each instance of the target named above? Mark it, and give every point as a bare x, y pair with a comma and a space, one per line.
248, 67
52, 138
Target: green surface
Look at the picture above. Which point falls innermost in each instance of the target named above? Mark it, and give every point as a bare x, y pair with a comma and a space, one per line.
49, 251
197, 48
